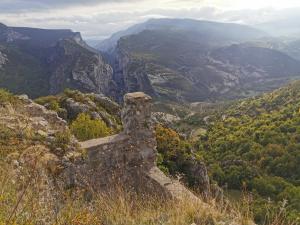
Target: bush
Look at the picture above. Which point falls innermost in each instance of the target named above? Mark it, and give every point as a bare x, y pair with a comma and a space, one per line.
6, 96
84, 128
51, 101
270, 186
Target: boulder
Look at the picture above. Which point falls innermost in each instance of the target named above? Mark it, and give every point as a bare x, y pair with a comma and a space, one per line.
107, 103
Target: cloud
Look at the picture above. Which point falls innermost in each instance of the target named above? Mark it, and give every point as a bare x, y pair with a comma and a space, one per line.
19, 6
98, 19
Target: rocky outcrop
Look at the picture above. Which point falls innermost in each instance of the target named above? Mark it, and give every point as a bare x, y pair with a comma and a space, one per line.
79, 68
3, 59
129, 75
96, 76
7, 34
124, 157
165, 118
74, 108
129, 158
110, 106
39, 112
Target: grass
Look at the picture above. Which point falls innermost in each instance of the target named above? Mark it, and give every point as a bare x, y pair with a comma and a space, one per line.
22, 205
22, 202
6, 96
30, 195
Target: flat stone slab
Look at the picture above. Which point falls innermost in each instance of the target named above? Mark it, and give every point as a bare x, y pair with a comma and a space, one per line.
90, 144
137, 96
177, 190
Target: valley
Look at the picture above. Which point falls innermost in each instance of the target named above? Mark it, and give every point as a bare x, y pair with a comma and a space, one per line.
166, 106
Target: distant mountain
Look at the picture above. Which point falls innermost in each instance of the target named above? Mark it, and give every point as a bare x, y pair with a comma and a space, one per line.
273, 63
288, 26
189, 60
180, 60
41, 62
287, 45
229, 31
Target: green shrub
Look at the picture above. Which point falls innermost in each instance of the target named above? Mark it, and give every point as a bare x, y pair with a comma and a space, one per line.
74, 94
6, 96
84, 128
52, 101
270, 186
61, 142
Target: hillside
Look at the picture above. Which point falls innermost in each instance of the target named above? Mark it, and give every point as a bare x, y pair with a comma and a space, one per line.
40, 62
37, 146
191, 61
254, 145
45, 175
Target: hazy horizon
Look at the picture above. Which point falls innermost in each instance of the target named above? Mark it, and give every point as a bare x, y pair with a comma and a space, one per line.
98, 19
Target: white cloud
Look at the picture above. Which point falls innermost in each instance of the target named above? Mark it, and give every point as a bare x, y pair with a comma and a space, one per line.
97, 19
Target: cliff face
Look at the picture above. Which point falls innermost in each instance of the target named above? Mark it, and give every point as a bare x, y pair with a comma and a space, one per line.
77, 67
130, 75
3, 59
48, 61
190, 61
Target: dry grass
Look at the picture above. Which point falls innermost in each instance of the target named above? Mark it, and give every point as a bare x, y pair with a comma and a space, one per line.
21, 202
123, 208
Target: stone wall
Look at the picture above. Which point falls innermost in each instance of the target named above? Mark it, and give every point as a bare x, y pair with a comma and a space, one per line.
129, 158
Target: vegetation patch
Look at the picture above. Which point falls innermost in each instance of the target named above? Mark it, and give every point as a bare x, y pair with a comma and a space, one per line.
85, 128
255, 144
7, 97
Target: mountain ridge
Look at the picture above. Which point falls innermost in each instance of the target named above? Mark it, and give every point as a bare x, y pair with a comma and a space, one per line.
50, 60
184, 64
166, 23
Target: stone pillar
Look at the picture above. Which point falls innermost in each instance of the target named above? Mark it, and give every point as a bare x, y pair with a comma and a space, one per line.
137, 123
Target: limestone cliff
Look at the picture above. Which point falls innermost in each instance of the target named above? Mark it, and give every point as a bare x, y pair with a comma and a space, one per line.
192, 61
48, 61
3, 59
79, 68
130, 75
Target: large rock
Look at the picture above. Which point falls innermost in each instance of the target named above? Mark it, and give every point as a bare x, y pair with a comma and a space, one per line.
107, 103
74, 108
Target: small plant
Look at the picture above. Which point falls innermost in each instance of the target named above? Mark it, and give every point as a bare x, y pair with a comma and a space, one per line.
52, 102
6, 96
76, 95
84, 128
61, 141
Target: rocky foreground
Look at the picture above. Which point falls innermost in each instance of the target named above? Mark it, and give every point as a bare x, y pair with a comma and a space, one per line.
48, 176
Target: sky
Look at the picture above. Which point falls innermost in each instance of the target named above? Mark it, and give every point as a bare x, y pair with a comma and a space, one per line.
98, 19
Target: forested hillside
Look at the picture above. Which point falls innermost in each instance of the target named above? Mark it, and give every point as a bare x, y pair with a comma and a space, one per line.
255, 145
